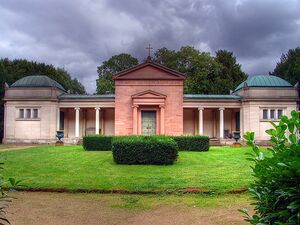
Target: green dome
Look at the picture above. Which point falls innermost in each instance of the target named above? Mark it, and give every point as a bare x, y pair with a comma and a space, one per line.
37, 81
264, 81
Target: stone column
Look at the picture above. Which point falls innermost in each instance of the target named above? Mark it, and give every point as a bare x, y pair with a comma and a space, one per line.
200, 121
221, 123
135, 120
162, 119
58, 119
77, 122
97, 120
241, 122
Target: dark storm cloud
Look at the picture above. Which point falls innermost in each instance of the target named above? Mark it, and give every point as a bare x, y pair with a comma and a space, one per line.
79, 35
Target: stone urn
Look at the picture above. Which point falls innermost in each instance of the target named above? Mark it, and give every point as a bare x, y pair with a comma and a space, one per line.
59, 135
237, 137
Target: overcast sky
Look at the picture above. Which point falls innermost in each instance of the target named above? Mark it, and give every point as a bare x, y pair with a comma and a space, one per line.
79, 34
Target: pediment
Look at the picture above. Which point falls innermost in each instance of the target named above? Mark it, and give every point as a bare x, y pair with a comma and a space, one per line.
149, 71
148, 94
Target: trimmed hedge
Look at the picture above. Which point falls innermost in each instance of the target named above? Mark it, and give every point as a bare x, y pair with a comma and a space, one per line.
192, 143
97, 143
157, 150
185, 143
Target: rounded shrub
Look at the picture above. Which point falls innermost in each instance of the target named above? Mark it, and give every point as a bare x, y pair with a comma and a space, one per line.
157, 150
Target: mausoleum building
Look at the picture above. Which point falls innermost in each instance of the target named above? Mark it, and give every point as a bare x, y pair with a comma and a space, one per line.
148, 100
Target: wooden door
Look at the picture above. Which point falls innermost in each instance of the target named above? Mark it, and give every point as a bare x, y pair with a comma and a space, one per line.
148, 122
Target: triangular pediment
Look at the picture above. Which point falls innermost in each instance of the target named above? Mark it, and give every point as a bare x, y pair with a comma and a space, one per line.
149, 71
148, 94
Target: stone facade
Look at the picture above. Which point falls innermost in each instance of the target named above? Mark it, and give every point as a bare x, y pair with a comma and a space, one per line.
148, 99
144, 91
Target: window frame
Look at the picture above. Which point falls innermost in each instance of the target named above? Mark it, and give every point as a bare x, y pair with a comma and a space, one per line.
269, 113
263, 114
28, 113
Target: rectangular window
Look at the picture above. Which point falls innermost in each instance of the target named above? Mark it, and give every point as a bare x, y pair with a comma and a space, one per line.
279, 113
21, 113
28, 113
272, 114
265, 114
35, 113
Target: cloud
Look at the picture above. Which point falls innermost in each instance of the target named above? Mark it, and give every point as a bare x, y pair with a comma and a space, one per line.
78, 35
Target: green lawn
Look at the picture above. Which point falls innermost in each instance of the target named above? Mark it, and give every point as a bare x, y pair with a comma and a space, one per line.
220, 170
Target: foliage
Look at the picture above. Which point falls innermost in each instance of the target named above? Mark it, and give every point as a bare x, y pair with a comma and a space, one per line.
97, 143
13, 70
289, 66
192, 143
205, 74
276, 189
185, 143
4, 198
217, 170
231, 74
157, 150
113, 65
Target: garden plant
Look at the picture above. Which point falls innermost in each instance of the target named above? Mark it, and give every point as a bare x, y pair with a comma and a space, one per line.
276, 188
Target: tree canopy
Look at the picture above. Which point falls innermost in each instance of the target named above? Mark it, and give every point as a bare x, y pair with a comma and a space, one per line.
231, 73
13, 70
115, 64
205, 74
289, 66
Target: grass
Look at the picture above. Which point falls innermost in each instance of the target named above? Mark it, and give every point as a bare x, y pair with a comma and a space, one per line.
191, 200
6, 146
220, 170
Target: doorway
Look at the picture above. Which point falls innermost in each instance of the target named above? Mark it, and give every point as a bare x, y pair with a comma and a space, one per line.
148, 122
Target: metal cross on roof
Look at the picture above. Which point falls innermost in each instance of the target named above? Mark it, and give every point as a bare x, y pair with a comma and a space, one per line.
149, 48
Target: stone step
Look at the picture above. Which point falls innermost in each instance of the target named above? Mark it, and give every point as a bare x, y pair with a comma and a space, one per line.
214, 142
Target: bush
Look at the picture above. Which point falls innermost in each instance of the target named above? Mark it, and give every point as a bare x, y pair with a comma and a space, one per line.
158, 150
97, 143
192, 143
276, 189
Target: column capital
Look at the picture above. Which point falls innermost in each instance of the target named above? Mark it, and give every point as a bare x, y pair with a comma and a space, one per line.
77, 108
97, 108
221, 108
162, 106
200, 108
135, 106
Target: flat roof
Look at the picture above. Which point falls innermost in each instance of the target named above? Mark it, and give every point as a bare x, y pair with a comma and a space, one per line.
203, 96
78, 96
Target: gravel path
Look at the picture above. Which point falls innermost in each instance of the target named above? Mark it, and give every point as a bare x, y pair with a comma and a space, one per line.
96, 209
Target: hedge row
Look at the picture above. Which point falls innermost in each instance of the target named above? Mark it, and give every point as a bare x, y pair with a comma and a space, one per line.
157, 150
192, 143
185, 143
97, 143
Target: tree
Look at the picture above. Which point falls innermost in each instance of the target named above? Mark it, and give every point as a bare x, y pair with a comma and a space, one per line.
231, 74
205, 74
13, 70
289, 66
113, 65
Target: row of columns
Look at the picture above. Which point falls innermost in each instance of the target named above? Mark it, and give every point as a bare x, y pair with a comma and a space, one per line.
77, 120
221, 111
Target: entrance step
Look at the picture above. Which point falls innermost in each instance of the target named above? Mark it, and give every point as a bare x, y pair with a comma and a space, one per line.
214, 142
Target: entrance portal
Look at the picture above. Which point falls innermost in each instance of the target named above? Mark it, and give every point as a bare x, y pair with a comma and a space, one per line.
148, 122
